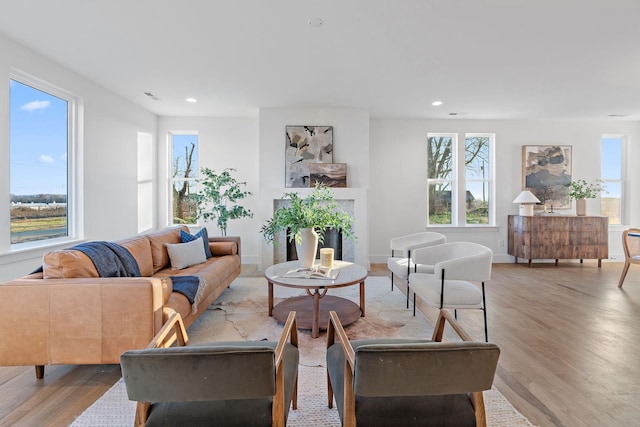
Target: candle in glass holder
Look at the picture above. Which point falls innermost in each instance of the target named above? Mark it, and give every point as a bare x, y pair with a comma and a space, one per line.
326, 257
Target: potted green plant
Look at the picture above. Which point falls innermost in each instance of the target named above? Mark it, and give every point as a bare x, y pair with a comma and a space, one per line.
580, 190
306, 219
218, 196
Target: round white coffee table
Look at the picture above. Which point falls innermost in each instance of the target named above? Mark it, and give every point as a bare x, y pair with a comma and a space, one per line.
312, 310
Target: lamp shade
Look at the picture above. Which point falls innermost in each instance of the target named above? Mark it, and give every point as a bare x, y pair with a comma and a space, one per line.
526, 197
526, 200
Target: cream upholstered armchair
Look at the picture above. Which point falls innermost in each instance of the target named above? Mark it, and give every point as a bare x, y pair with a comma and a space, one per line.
456, 265
220, 383
409, 382
400, 263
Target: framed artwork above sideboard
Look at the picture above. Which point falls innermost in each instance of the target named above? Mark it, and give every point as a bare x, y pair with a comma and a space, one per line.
546, 172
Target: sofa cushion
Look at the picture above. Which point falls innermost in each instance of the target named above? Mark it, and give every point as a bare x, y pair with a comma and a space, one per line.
223, 248
188, 237
158, 240
67, 263
183, 255
140, 248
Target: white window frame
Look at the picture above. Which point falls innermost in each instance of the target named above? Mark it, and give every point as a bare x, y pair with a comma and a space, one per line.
459, 184
145, 181
75, 108
623, 173
172, 180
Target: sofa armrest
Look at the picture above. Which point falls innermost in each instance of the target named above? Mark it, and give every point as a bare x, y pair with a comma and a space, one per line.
77, 321
235, 239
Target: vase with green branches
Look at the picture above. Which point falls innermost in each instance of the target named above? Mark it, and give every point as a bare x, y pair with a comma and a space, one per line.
580, 190
218, 197
311, 214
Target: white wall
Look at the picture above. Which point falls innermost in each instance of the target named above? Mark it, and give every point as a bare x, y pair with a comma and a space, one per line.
111, 124
222, 143
386, 165
398, 178
351, 146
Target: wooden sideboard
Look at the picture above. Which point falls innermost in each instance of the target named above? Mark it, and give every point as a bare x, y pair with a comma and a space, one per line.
559, 237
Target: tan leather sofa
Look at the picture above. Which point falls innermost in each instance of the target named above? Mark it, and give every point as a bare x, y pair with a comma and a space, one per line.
69, 315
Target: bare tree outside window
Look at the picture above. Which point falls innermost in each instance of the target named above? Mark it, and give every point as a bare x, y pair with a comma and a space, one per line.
440, 178
477, 178
183, 176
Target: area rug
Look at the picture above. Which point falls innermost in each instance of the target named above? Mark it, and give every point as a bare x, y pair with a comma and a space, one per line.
241, 314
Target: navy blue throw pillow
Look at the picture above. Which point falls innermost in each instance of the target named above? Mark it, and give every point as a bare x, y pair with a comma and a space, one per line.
186, 238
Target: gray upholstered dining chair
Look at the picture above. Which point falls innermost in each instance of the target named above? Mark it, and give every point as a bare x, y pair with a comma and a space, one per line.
409, 382
239, 383
400, 263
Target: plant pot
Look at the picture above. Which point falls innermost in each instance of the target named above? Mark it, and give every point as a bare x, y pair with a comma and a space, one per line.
307, 248
581, 207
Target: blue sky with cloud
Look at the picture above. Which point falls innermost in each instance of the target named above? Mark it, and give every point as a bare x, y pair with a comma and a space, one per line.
38, 129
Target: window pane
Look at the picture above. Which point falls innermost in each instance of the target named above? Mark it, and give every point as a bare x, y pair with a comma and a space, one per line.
184, 202
476, 161
185, 156
611, 158
477, 206
38, 164
476, 157
440, 203
184, 149
145, 206
439, 157
145, 156
611, 202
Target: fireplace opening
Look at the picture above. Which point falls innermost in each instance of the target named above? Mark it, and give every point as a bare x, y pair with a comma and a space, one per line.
332, 239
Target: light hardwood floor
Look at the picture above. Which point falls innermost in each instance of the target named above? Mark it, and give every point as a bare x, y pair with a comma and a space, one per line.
570, 342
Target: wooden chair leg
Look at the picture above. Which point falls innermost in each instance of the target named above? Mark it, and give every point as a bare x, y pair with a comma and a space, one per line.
625, 269
142, 413
329, 392
39, 372
349, 406
478, 405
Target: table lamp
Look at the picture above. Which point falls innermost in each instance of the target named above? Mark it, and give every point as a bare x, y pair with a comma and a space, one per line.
526, 200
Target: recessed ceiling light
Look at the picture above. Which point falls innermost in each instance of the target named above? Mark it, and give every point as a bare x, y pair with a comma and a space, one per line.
436, 103
192, 100
315, 22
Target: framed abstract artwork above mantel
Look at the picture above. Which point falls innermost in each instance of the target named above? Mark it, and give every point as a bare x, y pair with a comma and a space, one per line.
306, 145
546, 172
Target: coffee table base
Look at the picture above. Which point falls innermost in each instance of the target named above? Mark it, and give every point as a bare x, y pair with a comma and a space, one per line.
347, 310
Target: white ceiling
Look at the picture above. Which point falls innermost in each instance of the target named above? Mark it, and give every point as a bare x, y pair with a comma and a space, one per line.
485, 59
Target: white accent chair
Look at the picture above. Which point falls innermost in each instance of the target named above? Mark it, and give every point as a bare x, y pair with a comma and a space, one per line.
456, 265
402, 265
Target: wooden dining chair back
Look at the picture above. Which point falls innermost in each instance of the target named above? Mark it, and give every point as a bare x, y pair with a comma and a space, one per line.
409, 382
233, 383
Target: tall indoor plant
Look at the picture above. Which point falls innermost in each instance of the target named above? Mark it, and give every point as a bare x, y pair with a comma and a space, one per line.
581, 190
306, 219
217, 200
